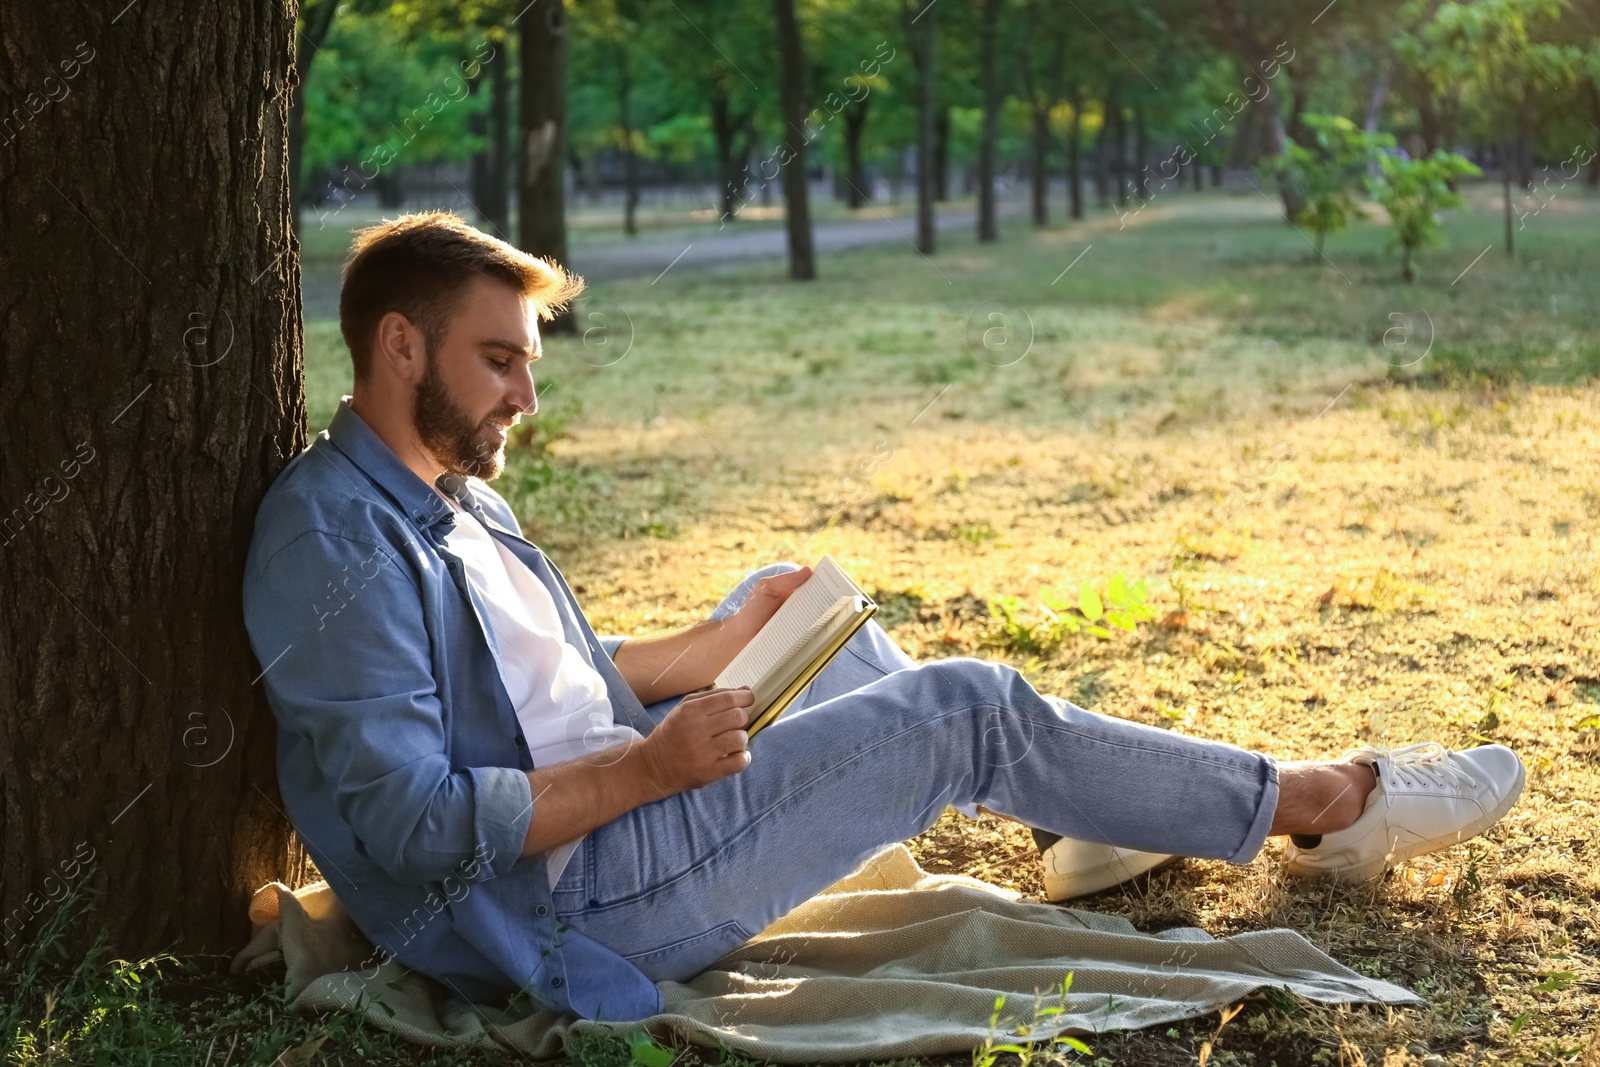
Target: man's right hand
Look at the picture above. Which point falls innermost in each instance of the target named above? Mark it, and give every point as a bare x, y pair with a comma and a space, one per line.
700, 741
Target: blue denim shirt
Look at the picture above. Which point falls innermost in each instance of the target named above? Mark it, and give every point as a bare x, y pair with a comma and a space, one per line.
400, 758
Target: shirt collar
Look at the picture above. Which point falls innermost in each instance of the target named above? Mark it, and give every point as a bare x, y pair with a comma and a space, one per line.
350, 433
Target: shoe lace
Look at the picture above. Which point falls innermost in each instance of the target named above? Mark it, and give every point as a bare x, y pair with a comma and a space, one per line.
1426, 763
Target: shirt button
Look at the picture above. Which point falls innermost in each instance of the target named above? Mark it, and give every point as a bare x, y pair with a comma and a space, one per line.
555, 983
520, 741
541, 910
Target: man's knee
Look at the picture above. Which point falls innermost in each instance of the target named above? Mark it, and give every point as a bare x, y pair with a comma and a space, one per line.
782, 567
741, 592
968, 682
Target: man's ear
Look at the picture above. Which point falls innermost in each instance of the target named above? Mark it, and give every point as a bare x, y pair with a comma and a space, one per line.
400, 346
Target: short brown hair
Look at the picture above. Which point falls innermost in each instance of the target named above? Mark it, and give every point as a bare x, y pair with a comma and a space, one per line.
419, 265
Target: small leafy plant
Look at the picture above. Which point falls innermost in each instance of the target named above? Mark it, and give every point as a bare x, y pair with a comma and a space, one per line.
1414, 191
1017, 1038
1123, 605
1329, 171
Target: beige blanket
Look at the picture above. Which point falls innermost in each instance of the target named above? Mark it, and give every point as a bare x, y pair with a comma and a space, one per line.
891, 961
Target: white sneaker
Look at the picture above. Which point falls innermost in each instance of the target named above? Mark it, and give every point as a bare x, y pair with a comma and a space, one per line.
1427, 798
1078, 868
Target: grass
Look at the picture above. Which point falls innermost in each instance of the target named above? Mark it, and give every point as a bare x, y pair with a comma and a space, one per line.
1343, 545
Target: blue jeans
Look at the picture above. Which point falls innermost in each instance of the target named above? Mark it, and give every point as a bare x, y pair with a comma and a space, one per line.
875, 750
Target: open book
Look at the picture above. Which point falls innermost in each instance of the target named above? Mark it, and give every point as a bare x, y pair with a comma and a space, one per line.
804, 633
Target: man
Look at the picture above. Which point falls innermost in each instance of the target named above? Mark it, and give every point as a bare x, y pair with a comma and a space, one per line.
503, 800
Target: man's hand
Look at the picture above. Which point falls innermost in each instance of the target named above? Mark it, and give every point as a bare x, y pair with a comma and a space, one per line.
764, 601
700, 741
656, 668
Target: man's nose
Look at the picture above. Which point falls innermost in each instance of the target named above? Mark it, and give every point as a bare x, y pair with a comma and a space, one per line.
526, 395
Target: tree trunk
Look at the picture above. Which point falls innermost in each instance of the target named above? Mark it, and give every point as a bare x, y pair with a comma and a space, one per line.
630, 161
541, 186
920, 37
941, 154
316, 17
989, 129
391, 192
1141, 156
1119, 157
1527, 123
495, 201
150, 383
1041, 164
478, 126
1277, 141
855, 122
1074, 163
1380, 93
1102, 148
792, 99
1505, 188
724, 128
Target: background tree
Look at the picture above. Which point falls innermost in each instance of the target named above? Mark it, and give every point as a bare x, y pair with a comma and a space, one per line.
793, 91
541, 177
1330, 171
150, 375
1413, 192
991, 14
311, 30
918, 20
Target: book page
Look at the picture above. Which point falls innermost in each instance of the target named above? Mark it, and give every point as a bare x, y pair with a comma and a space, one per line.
799, 619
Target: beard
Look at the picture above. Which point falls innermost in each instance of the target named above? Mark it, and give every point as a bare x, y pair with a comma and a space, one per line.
462, 444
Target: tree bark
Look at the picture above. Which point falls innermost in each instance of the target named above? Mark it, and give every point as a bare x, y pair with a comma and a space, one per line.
725, 126
1277, 141
541, 185
150, 380
1594, 115
1119, 157
1102, 148
630, 160
792, 99
918, 20
1074, 160
941, 153
1141, 156
316, 17
989, 129
1505, 189
855, 123
495, 201
1041, 164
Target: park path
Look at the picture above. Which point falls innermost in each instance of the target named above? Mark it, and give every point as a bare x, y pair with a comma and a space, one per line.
650, 256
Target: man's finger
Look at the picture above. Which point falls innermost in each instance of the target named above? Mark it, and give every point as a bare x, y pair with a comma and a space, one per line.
727, 719
732, 741
788, 581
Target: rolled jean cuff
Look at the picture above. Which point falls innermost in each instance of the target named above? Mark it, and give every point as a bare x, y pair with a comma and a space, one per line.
1256, 836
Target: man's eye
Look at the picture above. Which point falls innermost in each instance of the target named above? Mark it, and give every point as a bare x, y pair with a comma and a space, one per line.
501, 365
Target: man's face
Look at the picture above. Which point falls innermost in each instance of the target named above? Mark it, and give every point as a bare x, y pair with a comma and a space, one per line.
479, 381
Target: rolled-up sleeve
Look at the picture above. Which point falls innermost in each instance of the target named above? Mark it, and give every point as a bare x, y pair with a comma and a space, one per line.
338, 624
610, 645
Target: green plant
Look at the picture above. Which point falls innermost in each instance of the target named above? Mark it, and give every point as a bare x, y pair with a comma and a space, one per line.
1122, 605
1329, 172
1413, 192
1018, 1039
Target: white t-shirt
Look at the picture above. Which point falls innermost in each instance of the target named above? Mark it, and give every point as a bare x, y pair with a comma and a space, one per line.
561, 701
